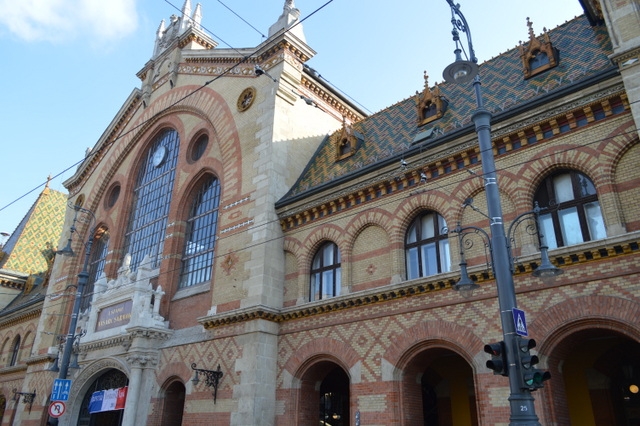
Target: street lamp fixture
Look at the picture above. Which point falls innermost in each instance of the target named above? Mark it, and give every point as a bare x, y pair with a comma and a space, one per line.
521, 402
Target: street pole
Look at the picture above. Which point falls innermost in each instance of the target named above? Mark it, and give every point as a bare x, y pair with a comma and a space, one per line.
83, 278
521, 401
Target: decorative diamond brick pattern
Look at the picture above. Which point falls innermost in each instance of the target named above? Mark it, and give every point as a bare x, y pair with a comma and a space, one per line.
35, 239
391, 131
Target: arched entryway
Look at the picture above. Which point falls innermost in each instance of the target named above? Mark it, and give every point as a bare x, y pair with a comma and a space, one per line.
596, 379
110, 379
173, 404
324, 396
438, 389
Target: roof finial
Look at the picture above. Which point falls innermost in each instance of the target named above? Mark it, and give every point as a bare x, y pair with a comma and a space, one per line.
530, 25
197, 16
186, 16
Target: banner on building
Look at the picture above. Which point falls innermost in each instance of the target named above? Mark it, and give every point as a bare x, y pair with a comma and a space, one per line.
108, 400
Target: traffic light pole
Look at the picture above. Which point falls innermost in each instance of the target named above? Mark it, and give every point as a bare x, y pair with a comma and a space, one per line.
521, 401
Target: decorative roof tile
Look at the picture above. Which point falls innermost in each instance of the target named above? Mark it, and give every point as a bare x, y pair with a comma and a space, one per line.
584, 52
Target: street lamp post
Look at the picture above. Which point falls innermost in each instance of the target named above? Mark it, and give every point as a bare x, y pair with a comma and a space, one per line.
83, 278
463, 71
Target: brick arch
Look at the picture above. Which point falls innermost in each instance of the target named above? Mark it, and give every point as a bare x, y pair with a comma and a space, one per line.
374, 216
616, 144
433, 334
189, 189
293, 246
316, 238
319, 350
605, 312
409, 208
543, 164
206, 104
171, 371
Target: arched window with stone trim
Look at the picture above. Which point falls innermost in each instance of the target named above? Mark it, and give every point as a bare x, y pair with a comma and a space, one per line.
427, 246
147, 224
97, 260
574, 215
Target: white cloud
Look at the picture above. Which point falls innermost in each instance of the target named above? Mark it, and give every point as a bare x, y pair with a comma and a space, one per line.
60, 20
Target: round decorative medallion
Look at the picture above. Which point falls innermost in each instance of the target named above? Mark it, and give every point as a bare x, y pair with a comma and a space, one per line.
246, 98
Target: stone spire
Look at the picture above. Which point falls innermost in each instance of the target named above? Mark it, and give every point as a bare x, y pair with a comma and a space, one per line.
290, 17
197, 16
178, 26
185, 22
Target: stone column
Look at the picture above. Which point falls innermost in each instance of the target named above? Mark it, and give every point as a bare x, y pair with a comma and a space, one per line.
135, 411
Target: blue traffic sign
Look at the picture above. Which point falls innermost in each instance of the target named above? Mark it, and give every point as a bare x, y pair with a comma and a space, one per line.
520, 322
61, 389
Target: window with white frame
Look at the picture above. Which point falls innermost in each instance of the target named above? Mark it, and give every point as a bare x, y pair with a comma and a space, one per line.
427, 246
574, 214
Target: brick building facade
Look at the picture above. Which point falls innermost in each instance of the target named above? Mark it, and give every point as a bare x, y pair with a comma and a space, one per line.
248, 217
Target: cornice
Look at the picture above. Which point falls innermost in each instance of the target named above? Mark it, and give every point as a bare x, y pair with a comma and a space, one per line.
22, 317
594, 251
192, 37
330, 99
13, 369
619, 58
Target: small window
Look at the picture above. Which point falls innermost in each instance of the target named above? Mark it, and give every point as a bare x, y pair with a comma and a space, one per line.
326, 275
427, 246
539, 60
574, 215
113, 196
15, 351
199, 147
563, 125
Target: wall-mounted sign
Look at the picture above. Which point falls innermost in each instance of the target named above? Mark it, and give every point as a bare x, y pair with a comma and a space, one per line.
114, 315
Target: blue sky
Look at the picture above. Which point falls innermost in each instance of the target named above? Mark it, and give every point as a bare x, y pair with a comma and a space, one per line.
70, 65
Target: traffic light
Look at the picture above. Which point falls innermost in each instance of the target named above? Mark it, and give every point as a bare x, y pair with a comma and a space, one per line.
532, 378
498, 361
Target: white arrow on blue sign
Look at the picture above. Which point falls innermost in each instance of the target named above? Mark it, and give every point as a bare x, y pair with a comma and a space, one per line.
520, 321
61, 389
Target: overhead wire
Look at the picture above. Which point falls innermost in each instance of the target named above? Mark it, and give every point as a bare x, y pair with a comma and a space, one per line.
394, 198
134, 128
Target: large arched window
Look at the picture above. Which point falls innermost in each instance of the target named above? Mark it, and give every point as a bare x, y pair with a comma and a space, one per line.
200, 238
97, 259
15, 351
427, 246
152, 198
325, 273
574, 215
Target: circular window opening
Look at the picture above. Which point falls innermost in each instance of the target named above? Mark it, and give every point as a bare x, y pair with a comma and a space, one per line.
113, 196
199, 147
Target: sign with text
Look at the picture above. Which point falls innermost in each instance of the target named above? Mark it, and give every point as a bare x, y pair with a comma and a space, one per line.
108, 400
114, 315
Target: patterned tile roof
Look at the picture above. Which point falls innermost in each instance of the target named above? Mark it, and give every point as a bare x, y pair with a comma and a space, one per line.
583, 50
36, 237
